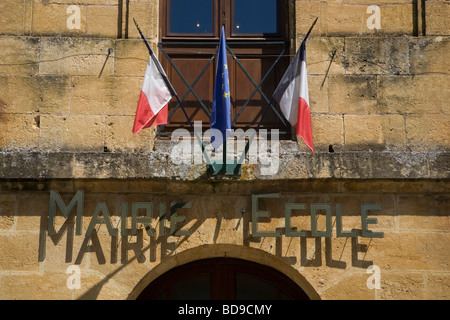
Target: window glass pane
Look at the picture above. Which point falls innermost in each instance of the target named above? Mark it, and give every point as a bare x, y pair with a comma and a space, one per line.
251, 288
255, 16
191, 16
195, 288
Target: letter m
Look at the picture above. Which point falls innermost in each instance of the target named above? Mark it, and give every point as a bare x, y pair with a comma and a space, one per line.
56, 200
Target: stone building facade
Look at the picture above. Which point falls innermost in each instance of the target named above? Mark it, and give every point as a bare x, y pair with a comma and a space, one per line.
90, 211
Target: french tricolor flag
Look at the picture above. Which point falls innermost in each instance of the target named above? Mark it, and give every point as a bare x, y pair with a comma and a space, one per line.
292, 96
152, 109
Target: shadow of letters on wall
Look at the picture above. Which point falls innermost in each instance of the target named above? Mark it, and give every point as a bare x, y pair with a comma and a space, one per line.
156, 222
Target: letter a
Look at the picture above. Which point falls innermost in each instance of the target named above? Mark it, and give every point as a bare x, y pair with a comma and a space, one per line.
74, 281
374, 21
74, 21
373, 282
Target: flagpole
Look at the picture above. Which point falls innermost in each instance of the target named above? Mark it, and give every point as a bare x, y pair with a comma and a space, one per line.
310, 29
167, 82
172, 90
271, 100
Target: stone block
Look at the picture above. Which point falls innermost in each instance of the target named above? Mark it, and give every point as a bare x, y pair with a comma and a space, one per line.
396, 18
410, 251
350, 287
425, 213
319, 55
374, 55
12, 17
351, 94
437, 13
131, 57
318, 94
401, 286
19, 131
102, 21
19, 252
343, 19
308, 11
75, 56
146, 14
72, 133
105, 96
429, 55
328, 130
19, 55
422, 94
50, 286
52, 19
7, 211
119, 136
428, 132
439, 165
437, 286
32, 210
373, 132
34, 94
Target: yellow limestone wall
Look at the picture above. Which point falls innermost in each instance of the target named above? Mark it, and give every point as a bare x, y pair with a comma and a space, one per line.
383, 109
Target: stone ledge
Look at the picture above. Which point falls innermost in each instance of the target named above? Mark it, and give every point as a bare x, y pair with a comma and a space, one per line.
292, 164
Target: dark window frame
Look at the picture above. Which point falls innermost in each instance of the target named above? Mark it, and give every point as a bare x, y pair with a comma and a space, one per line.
223, 15
244, 46
223, 275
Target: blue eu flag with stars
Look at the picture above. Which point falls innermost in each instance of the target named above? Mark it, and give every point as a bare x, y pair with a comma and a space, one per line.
220, 115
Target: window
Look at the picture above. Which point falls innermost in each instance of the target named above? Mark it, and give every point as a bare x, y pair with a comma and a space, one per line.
193, 17
257, 40
255, 17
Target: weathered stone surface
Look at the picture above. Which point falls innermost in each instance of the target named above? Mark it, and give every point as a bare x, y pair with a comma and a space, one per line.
75, 56
50, 286
105, 96
395, 286
35, 94
79, 132
424, 213
102, 21
158, 165
428, 54
428, 133
13, 22
350, 94
422, 94
119, 136
437, 13
380, 55
354, 284
374, 132
131, 57
438, 286
19, 251
51, 19
328, 131
19, 55
28, 127
7, 211
319, 56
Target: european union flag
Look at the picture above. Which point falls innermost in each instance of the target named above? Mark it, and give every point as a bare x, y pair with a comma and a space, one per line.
220, 115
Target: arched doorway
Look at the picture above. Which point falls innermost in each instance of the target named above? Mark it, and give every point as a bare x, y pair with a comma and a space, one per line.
223, 279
